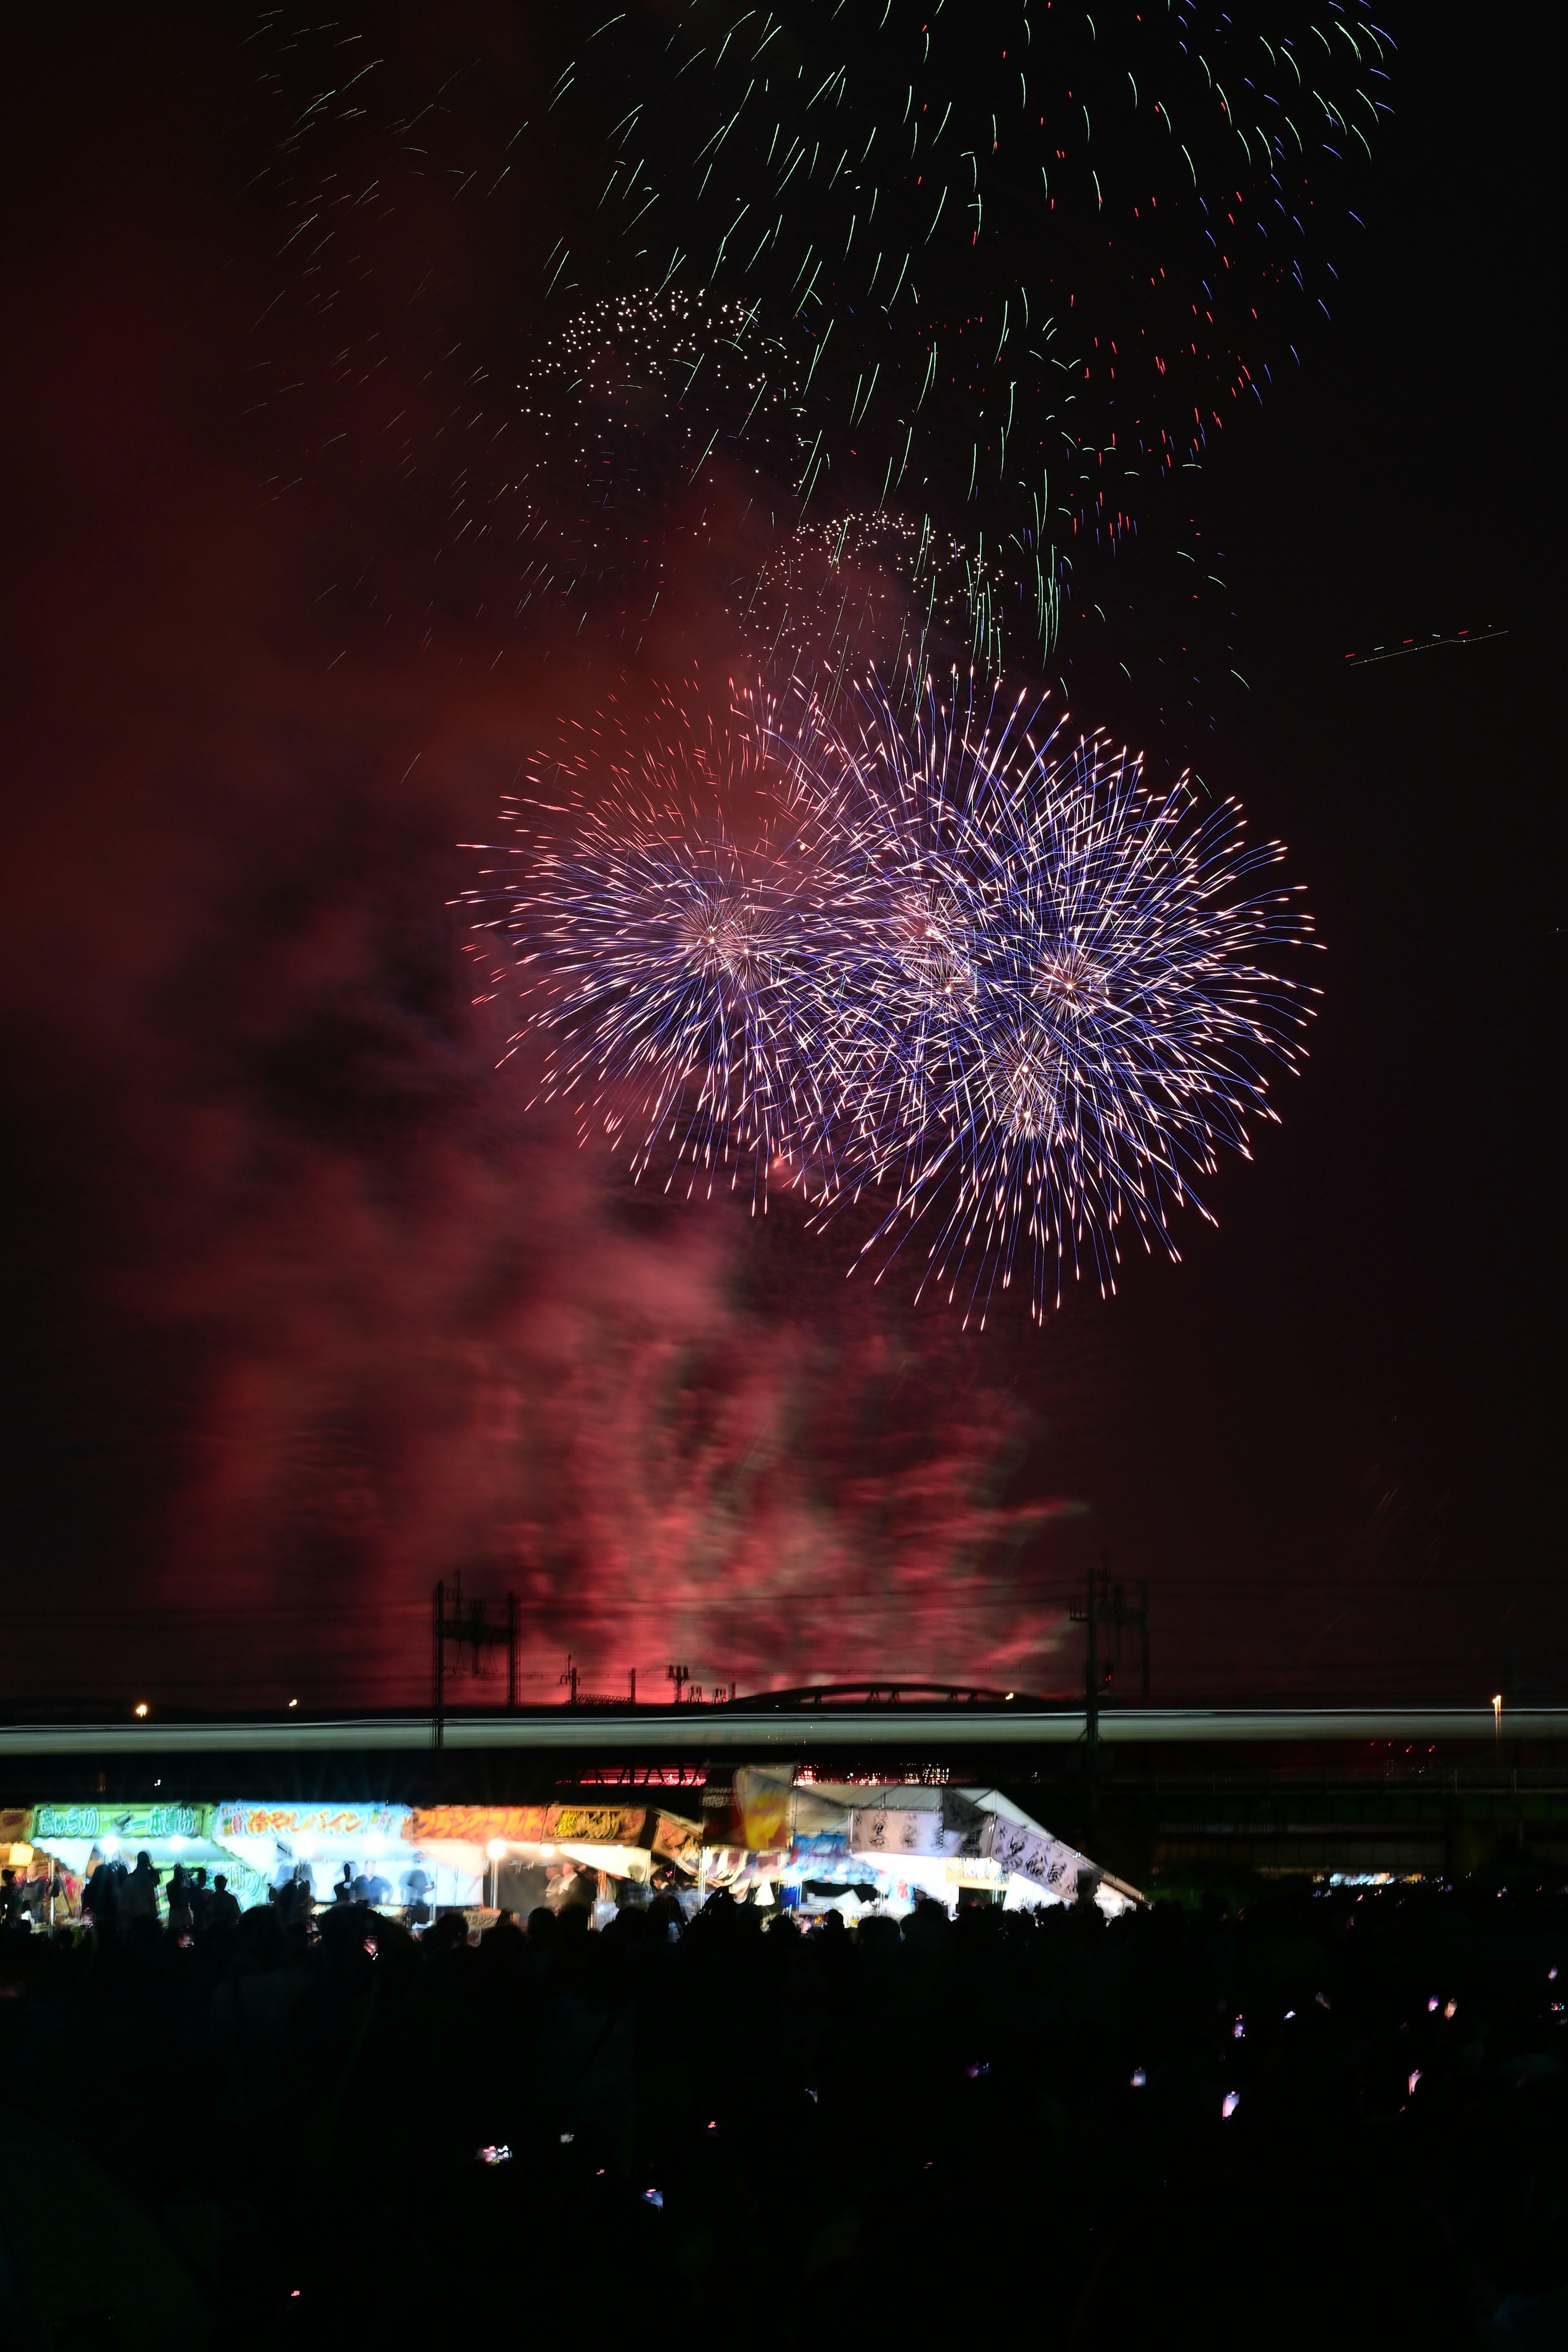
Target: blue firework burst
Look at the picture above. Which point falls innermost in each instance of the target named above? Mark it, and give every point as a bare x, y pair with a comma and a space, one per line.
1055, 997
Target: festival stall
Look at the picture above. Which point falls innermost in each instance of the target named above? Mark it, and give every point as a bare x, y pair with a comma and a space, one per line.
472, 1858
815, 1846
382, 1851
46, 1891
79, 1836
531, 1854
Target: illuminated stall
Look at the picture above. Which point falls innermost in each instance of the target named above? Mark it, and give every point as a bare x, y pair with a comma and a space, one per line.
50, 1893
80, 1835
531, 1854
816, 1846
378, 1845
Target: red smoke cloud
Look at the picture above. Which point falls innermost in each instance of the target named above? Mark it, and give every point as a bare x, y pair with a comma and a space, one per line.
306, 1313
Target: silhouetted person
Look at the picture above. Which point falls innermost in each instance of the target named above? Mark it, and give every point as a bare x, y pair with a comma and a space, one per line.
223, 1910
577, 1890
141, 1891
292, 1897
201, 1898
100, 1895
343, 1888
179, 1900
40, 1890
663, 1918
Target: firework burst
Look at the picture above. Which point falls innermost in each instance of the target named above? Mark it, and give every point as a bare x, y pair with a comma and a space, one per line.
970, 968
1028, 262
664, 957
1052, 1004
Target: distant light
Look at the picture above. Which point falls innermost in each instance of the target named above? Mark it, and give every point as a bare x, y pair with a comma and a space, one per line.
141, 1706
496, 1849
1433, 2004
1449, 2006
176, 1844
111, 1846
1229, 2104
1139, 2078
499, 2155
1009, 1694
547, 1854
654, 2196
293, 1702
1415, 2078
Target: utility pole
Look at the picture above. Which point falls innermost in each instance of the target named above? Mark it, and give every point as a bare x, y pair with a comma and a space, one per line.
451, 1623
1105, 1603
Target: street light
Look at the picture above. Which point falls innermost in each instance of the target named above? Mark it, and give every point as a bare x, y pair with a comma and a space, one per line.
496, 1851
1497, 1723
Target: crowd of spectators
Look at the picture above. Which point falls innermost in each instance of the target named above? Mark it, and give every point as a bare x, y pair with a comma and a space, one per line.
1323, 2115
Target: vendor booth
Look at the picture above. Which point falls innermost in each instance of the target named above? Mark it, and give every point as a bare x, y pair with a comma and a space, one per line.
815, 1846
388, 1864
533, 1855
79, 1836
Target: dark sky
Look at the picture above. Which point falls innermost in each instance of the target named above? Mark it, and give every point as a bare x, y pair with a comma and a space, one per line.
302, 1311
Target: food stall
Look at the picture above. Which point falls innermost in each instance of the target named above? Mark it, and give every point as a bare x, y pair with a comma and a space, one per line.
311, 1844
531, 1854
815, 1846
77, 1836
48, 1892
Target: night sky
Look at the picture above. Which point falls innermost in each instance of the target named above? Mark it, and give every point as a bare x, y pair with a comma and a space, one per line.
303, 1311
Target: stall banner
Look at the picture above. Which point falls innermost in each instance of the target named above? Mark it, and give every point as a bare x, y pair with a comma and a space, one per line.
596, 1825
527, 1824
738, 1866
756, 1811
477, 1824
15, 1826
821, 1847
131, 1824
1033, 1854
244, 1818
891, 1829
677, 1840
966, 1826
